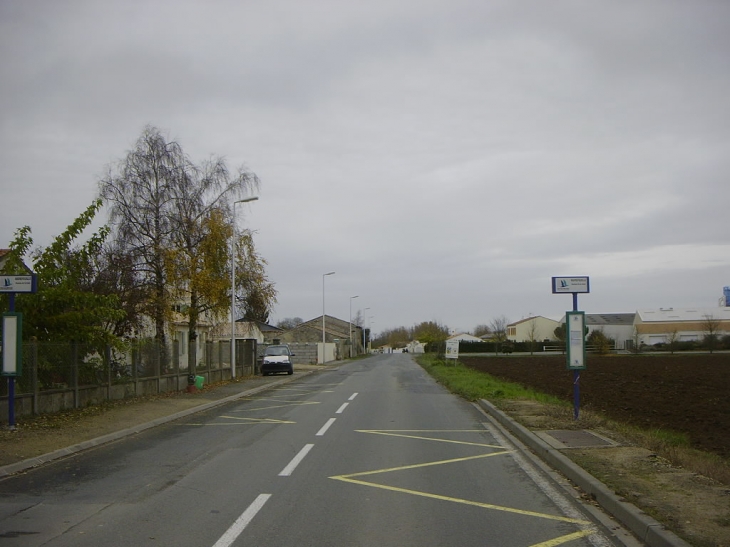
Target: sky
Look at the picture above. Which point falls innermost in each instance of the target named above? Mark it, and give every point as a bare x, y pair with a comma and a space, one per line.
445, 158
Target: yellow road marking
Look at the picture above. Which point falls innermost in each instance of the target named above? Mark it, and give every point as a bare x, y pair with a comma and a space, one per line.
565, 539
419, 465
346, 478
258, 420
396, 433
242, 421
291, 403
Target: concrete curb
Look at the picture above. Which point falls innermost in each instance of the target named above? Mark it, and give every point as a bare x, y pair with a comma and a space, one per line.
18, 467
647, 529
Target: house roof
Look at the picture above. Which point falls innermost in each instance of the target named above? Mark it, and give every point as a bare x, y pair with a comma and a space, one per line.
529, 319
464, 337
263, 327
334, 326
610, 318
684, 314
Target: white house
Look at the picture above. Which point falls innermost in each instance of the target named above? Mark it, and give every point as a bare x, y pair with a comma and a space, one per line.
463, 337
532, 329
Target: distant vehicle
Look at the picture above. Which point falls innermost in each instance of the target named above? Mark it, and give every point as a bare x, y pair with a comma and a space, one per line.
277, 359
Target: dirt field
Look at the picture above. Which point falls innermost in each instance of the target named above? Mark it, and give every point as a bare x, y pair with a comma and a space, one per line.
683, 393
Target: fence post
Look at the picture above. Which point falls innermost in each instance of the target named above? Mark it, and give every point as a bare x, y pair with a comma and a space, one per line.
108, 365
75, 372
34, 375
135, 360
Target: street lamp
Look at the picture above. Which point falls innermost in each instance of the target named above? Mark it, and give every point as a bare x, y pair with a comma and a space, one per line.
324, 353
233, 285
364, 349
370, 328
351, 299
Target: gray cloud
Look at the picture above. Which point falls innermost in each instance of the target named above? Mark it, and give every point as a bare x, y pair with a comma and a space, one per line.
445, 158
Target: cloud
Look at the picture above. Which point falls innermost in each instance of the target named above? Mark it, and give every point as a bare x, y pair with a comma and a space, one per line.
445, 158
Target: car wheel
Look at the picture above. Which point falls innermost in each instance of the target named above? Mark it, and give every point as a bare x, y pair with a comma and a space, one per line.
290, 371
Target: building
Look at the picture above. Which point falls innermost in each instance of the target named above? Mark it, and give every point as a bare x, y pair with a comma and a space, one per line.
336, 334
463, 337
667, 325
532, 329
618, 327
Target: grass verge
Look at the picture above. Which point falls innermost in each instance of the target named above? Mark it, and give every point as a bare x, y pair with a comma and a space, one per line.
673, 446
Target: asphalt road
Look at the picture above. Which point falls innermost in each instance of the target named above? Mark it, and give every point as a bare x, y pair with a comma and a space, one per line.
373, 453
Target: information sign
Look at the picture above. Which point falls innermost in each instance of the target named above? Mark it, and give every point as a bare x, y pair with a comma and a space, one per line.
571, 284
452, 349
12, 343
576, 339
18, 283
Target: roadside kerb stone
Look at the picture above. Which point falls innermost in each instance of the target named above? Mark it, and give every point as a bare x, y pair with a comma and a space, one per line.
646, 528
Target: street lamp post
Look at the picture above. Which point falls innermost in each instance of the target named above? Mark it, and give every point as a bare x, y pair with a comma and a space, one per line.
364, 349
351, 299
324, 353
370, 327
233, 286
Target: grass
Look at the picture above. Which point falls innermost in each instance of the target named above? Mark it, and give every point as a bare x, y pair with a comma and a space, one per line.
473, 385
674, 446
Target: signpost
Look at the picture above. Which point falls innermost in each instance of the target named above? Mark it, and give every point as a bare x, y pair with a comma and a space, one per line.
12, 337
452, 349
575, 334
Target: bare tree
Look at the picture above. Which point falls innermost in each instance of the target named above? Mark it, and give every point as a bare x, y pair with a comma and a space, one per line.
481, 329
711, 328
672, 339
140, 195
171, 217
533, 334
289, 323
498, 326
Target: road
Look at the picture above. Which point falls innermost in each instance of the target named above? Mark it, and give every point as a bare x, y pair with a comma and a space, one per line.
373, 453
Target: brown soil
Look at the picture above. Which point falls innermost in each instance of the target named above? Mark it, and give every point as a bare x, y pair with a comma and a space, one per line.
684, 393
681, 393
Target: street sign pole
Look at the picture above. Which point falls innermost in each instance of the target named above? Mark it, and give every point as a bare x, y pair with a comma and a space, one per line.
12, 334
574, 331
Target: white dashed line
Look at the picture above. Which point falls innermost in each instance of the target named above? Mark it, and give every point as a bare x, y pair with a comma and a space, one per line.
289, 469
352, 396
325, 427
342, 408
241, 522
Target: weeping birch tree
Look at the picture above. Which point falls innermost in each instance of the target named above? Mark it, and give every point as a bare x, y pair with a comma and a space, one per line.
173, 218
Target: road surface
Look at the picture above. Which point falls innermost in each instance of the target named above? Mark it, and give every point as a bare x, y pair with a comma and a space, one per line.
373, 453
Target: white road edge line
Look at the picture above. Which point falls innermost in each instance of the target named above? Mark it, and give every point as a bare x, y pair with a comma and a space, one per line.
241, 522
342, 408
325, 427
352, 396
289, 469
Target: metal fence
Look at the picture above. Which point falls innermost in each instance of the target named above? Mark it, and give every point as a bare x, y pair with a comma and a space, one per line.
58, 376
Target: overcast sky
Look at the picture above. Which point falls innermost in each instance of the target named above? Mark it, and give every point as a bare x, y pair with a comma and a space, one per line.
445, 158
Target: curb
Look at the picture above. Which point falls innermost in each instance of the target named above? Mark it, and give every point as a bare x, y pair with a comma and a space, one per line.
17, 467
646, 528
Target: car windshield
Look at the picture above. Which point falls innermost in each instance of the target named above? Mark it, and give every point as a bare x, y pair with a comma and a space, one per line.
277, 350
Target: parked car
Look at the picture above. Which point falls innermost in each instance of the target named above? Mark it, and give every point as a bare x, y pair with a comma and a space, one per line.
277, 359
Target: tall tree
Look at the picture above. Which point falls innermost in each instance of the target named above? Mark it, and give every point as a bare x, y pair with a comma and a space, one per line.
140, 195
259, 294
66, 307
168, 211
430, 333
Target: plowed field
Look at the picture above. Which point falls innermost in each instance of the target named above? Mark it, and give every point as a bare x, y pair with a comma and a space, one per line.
684, 393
